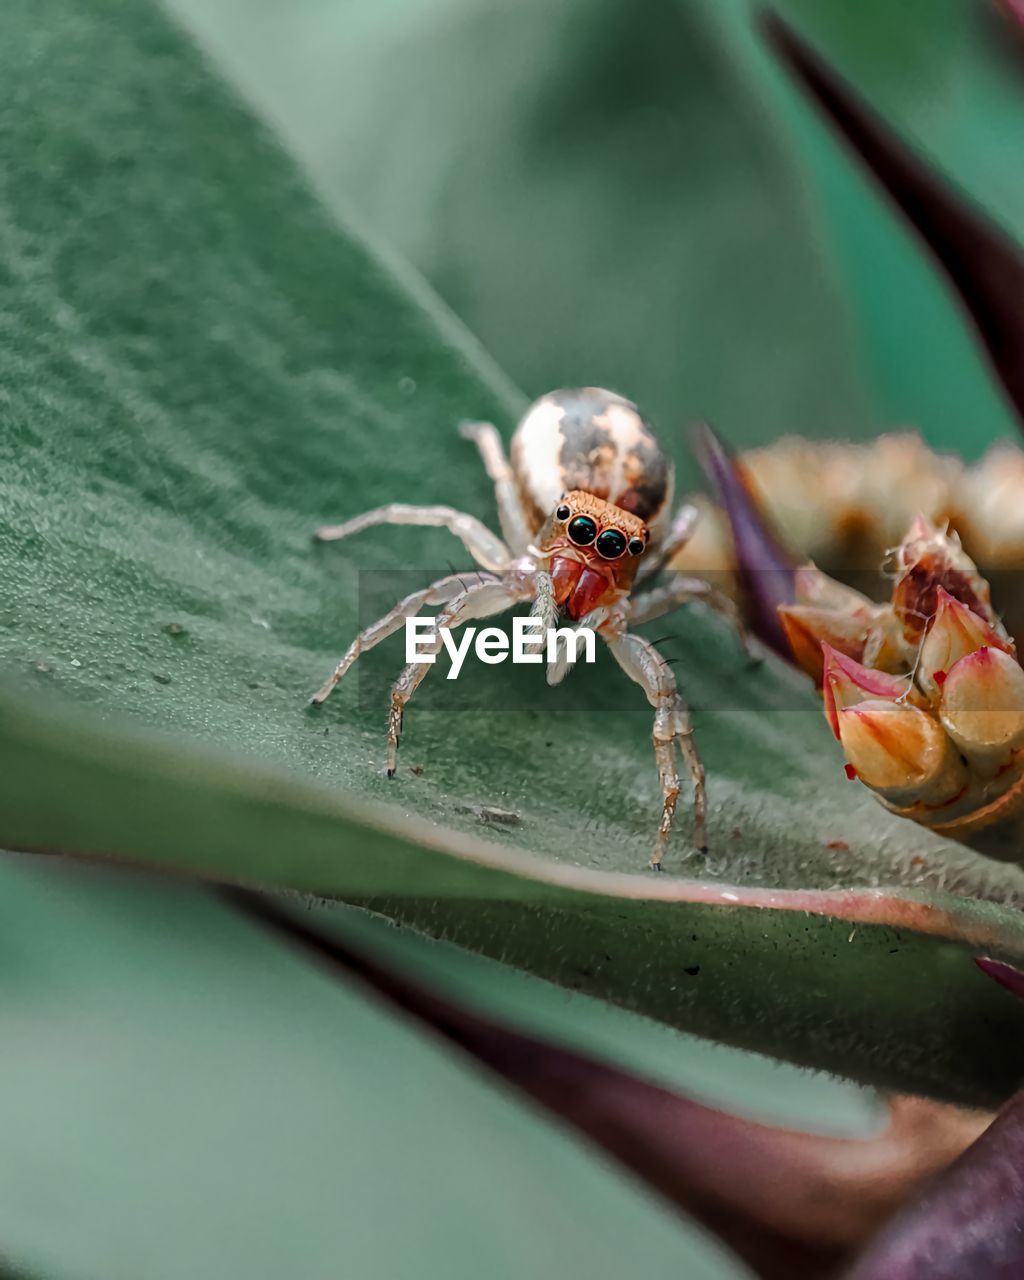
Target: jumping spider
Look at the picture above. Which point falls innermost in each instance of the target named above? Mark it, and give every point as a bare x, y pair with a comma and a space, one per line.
586, 496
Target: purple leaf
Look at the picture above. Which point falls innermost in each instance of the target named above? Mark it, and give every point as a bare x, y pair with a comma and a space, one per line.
984, 264
970, 1224
790, 1204
1015, 9
1005, 974
766, 570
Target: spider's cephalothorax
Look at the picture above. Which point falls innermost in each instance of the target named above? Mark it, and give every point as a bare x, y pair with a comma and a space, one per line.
584, 508
592, 549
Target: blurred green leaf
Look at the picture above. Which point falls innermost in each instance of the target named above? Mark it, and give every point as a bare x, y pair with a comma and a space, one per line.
593, 187
942, 73
781, 1200
936, 69
180, 1096
197, 371
657, 149
979, 260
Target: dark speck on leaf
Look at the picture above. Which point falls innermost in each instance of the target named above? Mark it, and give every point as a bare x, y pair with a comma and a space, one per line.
692, 970
416, 770
161, 678
491, 815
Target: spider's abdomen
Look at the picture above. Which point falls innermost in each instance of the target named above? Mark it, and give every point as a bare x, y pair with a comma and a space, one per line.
596, 441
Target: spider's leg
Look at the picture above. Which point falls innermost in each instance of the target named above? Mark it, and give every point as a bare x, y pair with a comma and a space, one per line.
642, 663
680, 589
679, 534
437, 593
479, 600
515, 524
486, 548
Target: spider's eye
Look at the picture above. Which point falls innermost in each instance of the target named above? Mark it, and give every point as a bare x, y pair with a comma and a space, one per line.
636, 546
611, 544
582, 531
562, 511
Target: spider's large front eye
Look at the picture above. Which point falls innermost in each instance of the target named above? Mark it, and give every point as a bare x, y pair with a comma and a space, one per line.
582, 531
611, 544
563, 511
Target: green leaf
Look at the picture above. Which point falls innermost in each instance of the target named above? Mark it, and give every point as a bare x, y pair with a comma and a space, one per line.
768, 1193
944, 73
591, 186
937, 70
198, 367
833, 978
181, 1097
982, 263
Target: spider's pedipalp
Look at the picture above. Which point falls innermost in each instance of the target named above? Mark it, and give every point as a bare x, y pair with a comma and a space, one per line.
545, 608
486, 548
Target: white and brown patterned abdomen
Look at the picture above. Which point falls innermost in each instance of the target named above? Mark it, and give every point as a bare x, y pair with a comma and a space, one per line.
597, 441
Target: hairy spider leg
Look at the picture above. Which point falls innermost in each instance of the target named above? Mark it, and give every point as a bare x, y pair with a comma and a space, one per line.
680, 589
439, 592
639, 659
515, 524
679, 534
481, 600
486, 548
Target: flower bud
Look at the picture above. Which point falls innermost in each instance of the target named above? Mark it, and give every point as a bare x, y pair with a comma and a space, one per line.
982, 708
809, 628
900, 752
955, 632
928, 561
847, 682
